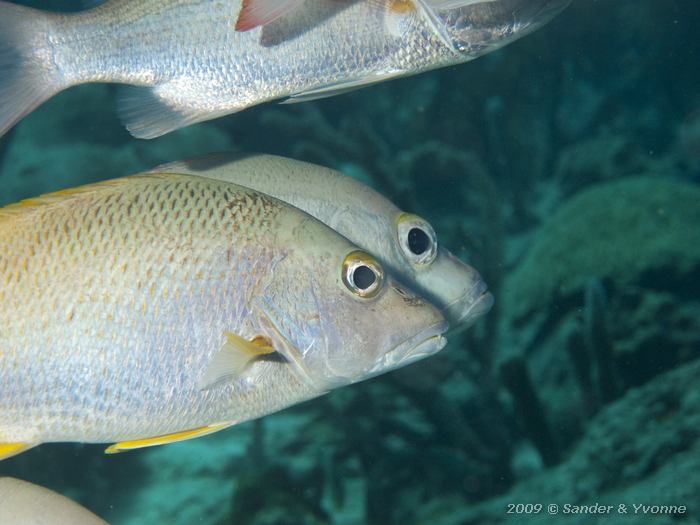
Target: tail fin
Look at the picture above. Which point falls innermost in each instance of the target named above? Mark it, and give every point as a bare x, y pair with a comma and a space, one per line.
26, 75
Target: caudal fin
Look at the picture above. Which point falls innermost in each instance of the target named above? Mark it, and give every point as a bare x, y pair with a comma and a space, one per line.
26, 76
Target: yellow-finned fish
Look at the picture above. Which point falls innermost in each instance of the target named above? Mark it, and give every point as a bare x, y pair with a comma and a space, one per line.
160, 307
194, 60
23, 503
405, 244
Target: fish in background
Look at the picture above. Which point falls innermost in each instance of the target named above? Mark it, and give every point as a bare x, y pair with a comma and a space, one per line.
405, 244
161, 307
187, 62
23, 503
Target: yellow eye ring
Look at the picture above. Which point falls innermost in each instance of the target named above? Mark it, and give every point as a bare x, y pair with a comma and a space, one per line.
362, 274
417, 239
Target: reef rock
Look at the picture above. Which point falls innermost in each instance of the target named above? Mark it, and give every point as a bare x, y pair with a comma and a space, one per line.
643, 449
623, 230
601, 301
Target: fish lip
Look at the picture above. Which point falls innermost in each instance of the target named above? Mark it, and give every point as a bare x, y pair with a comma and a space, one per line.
471, 305
419, 346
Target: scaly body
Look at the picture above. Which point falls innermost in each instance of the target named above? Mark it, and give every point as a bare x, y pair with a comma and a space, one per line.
115, 299
120, 321
193, 65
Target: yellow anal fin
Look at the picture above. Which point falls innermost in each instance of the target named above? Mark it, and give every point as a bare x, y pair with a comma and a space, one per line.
165, 438
7, 450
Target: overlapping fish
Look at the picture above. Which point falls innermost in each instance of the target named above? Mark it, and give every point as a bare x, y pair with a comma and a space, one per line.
194, 60
160, 307
405, 244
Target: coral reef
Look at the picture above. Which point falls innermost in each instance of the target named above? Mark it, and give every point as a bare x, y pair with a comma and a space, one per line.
654, 234
615, 298
642, 449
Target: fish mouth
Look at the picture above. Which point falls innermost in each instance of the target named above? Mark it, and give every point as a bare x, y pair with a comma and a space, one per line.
419, 346
476, 302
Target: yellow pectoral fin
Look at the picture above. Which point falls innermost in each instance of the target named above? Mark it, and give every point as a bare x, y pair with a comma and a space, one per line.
259, 345
232, 358
7, 450
166, 438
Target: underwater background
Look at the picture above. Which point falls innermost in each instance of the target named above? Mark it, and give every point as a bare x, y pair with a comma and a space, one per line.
565, 167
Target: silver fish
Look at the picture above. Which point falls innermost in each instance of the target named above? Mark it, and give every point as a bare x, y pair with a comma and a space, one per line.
23, 503
157, 308
405, 243
188, 61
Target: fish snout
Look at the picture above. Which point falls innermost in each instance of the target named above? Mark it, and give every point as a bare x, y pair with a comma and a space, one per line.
413, 331
456, 288
416, 347
476, 302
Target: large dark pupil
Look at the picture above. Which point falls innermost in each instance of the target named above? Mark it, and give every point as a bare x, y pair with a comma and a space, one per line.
363, 277
418, 241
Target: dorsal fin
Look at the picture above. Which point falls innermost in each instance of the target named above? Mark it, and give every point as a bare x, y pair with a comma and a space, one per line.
256, 13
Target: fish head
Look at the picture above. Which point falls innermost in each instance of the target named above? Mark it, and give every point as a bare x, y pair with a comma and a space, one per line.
452, 285
411, 252
477, 27
338, 318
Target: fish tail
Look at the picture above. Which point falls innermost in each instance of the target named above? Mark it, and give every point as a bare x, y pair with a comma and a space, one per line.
27, 74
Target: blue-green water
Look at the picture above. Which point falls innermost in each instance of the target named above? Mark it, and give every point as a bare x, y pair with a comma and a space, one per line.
565, 167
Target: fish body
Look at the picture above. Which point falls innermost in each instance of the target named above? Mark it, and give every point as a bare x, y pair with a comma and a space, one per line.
124, 306
187, 62
406, 244
23, 503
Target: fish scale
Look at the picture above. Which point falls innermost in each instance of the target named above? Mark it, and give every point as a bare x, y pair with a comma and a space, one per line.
82, 247
119, 297
185, 62
205, 65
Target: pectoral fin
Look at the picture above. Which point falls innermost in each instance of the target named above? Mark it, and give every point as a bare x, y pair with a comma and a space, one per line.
7, 450
166, 438
255, 13
232, 358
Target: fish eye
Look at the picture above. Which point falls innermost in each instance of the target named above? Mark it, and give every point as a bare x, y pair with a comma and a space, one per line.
362, 274
417, 239
363, 277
